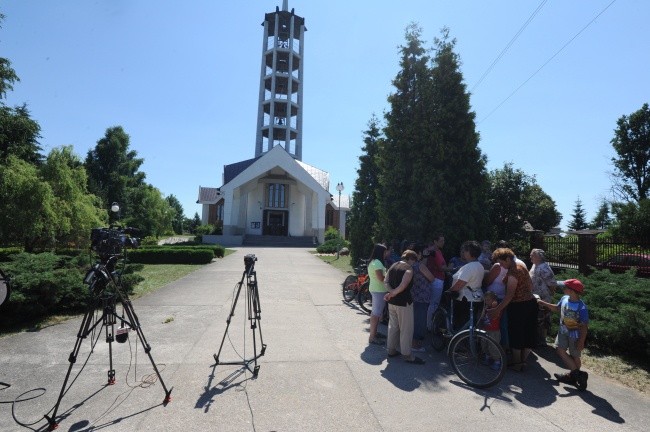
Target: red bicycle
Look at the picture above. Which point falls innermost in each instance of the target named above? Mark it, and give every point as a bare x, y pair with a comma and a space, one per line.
356, 283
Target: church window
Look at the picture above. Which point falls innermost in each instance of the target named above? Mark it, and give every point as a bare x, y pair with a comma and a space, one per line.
276, 195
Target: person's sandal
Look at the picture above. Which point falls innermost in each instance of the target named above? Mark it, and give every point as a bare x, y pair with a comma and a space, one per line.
376, 342
395, 354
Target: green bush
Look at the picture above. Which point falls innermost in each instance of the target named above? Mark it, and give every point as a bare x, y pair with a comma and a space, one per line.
172, 255
330, 246
6, 252
332, 233
218, 250
44, 284
149, 241
47, 284
619, 312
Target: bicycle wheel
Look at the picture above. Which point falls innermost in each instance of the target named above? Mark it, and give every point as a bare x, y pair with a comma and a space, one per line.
365, 298
470, 359
348, 287
439, 336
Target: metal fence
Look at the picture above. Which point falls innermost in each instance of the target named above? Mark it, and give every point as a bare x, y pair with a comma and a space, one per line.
583, 251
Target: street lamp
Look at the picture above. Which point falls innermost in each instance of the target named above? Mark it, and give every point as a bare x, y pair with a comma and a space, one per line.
339, 187
115, 208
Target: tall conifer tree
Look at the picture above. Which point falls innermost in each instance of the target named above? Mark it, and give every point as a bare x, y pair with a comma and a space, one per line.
363, 214
404, 138
433, 176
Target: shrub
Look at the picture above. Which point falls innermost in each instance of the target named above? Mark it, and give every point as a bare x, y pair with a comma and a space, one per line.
619, 317
331, 246
172, 255
332, 233
44, 283
6, 252
149, 241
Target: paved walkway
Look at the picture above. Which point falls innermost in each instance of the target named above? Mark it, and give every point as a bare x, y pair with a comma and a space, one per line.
318, 373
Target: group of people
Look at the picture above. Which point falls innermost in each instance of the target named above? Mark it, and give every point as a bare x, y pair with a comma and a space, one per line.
518, 300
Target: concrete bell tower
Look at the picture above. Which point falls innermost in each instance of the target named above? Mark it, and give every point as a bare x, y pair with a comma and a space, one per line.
279, 115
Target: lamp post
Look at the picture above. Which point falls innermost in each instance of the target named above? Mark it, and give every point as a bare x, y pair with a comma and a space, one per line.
115, 208
339, 187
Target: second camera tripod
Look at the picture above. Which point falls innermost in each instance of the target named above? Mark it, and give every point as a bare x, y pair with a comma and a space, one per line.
253, 310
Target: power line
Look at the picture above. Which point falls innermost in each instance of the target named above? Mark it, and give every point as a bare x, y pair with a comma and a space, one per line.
503, 51
547, 61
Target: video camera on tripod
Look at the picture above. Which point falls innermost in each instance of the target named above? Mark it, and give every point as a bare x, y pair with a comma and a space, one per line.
111, 241
249, 262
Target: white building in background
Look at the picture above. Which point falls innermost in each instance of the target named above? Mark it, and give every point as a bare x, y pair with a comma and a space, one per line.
275, 193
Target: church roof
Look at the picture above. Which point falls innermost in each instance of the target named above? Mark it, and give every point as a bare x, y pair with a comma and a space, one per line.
322, 177
233, 170
208, 195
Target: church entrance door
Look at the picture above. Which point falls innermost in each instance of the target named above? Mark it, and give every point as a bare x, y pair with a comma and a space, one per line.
276, 222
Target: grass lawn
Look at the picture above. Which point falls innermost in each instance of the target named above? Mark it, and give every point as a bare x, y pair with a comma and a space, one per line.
158, 275
342, 263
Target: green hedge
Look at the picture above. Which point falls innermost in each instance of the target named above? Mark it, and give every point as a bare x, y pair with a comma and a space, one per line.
619, 312
172, 255
46, 284
330, 246
6, 252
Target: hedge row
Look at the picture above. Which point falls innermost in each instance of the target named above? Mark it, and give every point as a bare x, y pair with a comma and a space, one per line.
172, 255
7, 251
46, 284
619, 312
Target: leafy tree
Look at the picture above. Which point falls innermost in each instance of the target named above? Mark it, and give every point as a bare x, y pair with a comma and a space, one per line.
632, 165
27, 213
191, 224
148, 211
19, 135
602, 220
7, 74
113, 169
177, 221
514, 198
7, 77
363, 214
578, 217
632, 221
76, 211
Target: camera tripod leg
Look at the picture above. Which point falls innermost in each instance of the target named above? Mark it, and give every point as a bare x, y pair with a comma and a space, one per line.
109, 326
134, 323
232, 314
84, 330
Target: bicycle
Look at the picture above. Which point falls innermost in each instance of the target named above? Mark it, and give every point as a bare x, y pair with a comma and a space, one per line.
469, 347
353, 283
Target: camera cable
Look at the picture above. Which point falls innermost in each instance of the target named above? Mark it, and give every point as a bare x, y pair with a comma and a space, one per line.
20, 398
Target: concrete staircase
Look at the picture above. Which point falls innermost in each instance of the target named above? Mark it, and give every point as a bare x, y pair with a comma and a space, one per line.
278, 241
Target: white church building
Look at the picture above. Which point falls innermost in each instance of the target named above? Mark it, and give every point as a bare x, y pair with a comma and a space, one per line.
275, 193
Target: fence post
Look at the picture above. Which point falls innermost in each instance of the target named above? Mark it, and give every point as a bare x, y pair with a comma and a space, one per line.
586, 252
536, 239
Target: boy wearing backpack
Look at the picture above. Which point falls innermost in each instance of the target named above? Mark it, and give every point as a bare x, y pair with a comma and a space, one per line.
574, 320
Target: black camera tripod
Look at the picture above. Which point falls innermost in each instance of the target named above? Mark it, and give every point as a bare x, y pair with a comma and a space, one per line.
254, 315
105, 291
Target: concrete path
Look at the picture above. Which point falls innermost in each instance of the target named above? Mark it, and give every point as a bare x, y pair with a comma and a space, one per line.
318, 373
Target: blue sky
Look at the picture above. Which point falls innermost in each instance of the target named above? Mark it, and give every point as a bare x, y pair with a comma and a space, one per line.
182, 79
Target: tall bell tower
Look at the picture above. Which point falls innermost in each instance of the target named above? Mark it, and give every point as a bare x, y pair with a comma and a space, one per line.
279, 115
